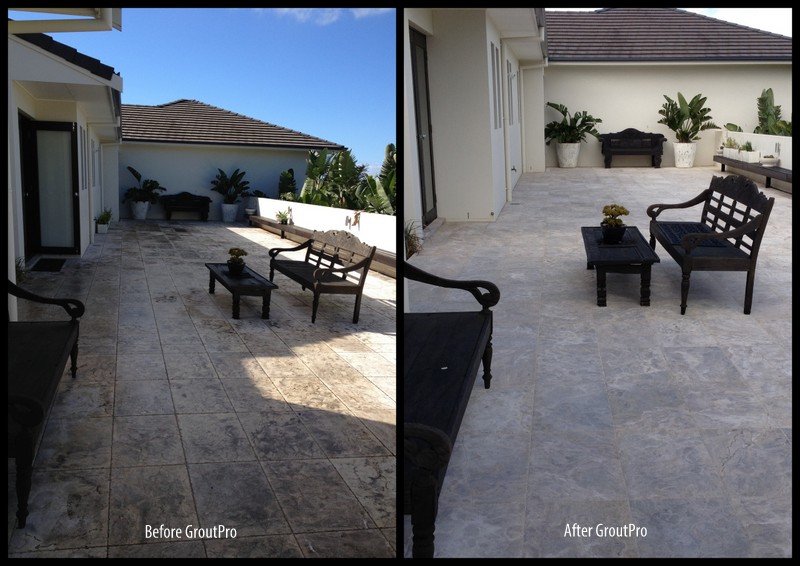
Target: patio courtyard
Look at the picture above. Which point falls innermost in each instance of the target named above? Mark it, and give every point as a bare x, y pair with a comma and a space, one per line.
182, 417
619, 415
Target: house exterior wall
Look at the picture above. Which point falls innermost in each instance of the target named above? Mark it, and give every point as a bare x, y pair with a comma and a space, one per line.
73, 95
461, 103
630, 96
186, 167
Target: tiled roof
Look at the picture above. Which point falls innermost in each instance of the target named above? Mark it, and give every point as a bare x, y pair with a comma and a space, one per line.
657, 34
190, 121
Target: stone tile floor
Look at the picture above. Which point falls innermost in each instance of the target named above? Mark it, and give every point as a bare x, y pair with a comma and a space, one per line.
622, 415
180, 416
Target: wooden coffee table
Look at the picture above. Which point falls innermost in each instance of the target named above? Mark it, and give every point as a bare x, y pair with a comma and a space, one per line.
249, 283
632, 255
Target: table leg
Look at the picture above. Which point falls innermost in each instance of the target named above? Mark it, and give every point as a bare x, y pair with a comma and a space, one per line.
211, 282
265, 303
645, 290
601, 286
236, 305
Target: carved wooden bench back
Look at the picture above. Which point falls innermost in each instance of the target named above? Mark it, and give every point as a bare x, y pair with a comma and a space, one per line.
339, 248
733, 201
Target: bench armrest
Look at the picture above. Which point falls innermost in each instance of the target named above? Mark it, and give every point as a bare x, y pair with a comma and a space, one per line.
74, 307
655, 209
275, 251
486, 300
427, 447
690, 241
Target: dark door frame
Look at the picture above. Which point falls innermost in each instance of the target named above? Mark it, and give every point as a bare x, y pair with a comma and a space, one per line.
31, 198
424, 128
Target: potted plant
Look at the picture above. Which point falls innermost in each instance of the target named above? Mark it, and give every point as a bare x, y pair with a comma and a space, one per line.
747, 154
232, 188
282, 216
730, 148
769, 161
142, 195
103, 220
613, 226
686, 120
287, 186
569, 132
236, 263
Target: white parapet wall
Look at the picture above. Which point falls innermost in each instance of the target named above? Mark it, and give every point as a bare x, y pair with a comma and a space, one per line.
378, 230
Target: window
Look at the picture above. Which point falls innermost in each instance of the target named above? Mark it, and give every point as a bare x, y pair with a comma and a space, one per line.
496, 87
511, 79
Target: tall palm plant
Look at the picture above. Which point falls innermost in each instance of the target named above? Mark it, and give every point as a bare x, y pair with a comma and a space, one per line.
686, 119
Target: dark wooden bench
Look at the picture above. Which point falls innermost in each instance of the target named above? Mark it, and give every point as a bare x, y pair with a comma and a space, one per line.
633, 142
727, 236
37, 355
770, 173
336, 262
442, 352
185, 202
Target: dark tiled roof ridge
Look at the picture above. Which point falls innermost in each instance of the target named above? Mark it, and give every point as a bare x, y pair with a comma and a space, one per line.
231, 112
192, 121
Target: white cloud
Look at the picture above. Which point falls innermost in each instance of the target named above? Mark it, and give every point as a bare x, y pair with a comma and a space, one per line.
359, 13
318, 16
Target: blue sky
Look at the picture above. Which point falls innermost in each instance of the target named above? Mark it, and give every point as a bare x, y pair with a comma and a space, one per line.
326, 72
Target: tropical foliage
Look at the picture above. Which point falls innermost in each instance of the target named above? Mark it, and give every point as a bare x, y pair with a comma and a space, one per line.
686, 119
335, 179
144, 191
232, 188
572, 128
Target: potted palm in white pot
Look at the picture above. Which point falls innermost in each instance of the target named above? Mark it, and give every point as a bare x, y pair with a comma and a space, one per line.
686, 120
569, 133
232, 188
142, 195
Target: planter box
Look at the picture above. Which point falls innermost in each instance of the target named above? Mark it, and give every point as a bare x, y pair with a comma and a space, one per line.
749, 156
730, 152
769, 161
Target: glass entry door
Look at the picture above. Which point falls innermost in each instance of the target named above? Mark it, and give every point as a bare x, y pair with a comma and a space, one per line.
49, 153
419, 65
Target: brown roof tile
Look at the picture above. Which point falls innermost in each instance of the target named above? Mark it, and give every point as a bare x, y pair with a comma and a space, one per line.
190, 121
657, 34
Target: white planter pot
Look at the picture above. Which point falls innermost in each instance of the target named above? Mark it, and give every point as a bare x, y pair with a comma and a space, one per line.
769, 161
567, 154
229, 212
684, 154
102, 228
749, 156
139, 210
730, 153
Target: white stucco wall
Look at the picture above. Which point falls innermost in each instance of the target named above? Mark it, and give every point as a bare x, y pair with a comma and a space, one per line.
630, 96
184, 167
458, 71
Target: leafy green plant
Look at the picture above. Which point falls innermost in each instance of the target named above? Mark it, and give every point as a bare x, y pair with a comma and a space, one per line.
730, 143
232, 188
413, 242
572, 128
104, 217
282, 216
286, 183
612, 215
769, 116
379, 194
145, 191
21, 272
236, 256
746, 146
686, 119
